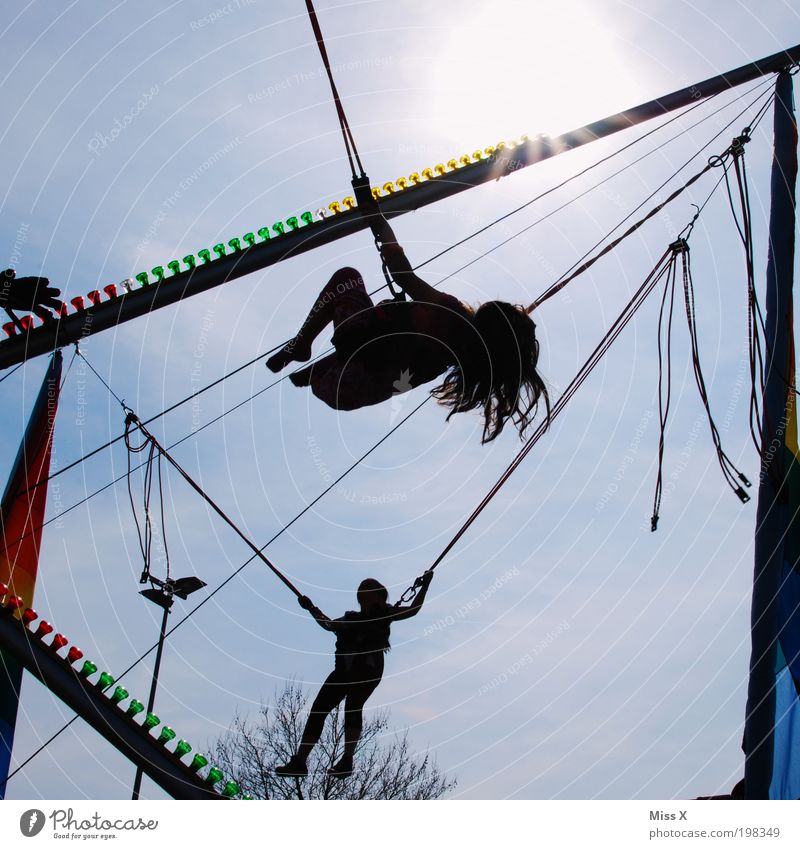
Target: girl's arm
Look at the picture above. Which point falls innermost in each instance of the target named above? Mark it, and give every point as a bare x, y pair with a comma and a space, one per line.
414, 608
321, 619
400, 268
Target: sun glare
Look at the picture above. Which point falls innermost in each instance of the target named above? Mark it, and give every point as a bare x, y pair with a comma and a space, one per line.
529, 67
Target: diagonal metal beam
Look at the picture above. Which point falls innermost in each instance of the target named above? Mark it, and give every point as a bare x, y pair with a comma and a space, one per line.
109, 720
108, 314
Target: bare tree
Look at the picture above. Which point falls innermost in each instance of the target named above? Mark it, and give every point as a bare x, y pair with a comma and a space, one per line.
385, 766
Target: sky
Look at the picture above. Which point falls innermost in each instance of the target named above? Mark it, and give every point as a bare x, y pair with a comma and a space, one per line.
564, 651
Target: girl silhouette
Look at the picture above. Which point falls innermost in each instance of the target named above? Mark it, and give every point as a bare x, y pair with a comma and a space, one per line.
488, 356
362, 637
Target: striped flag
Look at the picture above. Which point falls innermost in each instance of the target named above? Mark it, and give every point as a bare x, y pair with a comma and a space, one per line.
21, 518
772, 722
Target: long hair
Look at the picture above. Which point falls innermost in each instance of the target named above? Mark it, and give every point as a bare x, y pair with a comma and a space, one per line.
496, 372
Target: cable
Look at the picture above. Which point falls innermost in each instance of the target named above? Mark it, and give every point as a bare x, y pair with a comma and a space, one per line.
9, 373
761, 84
347, 135
569, 275
240, 368
597, 185
650, 282
131, 422
227, 580
664, 396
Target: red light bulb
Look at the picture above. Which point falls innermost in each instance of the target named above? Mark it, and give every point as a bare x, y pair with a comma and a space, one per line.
44, 629
59, 641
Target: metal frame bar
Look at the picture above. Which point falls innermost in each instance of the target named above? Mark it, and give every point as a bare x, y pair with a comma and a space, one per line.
88, 701
103, 316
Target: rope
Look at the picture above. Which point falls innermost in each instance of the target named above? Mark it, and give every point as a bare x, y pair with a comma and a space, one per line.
650, 282
729, 470
9, 373
256, 359
760, 85
145, 537
664, 397
224, 583
132, 421
347, 135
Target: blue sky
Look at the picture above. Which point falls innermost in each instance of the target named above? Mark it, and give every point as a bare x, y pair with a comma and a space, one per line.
564, 651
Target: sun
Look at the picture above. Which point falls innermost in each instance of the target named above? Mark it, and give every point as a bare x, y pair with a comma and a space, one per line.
529, 67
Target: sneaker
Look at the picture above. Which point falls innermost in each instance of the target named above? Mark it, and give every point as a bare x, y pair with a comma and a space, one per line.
290, 353
295, 768
342, 769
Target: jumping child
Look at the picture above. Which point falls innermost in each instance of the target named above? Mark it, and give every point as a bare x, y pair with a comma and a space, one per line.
488, 356
362, 637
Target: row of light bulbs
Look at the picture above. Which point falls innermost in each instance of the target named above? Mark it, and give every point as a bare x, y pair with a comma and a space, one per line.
15, 605
279, 228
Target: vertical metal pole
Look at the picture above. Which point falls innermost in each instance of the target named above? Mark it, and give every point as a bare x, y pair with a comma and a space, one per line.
137, 782
773, 516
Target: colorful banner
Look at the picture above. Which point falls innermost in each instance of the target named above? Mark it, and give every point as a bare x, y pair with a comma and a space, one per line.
21, 517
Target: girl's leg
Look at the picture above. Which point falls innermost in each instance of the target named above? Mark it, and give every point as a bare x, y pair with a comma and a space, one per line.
343, 293
354, 716
331, 693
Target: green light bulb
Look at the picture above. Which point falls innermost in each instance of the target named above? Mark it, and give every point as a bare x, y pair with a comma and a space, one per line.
247, 798
293, 222
190, 261
230, 790
214, 775
106, 679
279, 228
150, 721
219, 249
88, 668
158, 273
166, 735
134, 707
236, 244
182, 748
308, 217
205, 254
119, 695
198, 762
250, 238
174, 266
143, 278
264, 233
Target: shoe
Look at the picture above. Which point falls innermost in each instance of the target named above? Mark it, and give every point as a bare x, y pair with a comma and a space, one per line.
342, 769
295, 768
292, 352
302, 377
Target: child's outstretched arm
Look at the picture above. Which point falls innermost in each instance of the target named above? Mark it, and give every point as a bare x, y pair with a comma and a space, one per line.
400, 268
322, 620
414, 608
